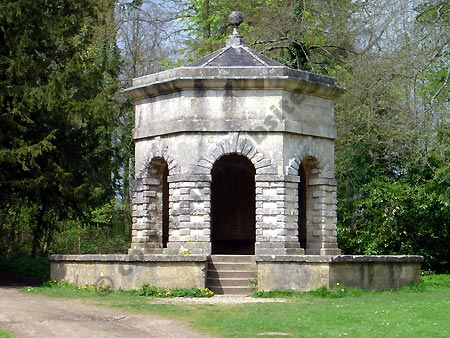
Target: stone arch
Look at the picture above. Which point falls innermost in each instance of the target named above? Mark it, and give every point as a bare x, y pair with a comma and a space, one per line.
308, 151
159, 203
158, 149
310, 165
235, 143
151, 199
308, 170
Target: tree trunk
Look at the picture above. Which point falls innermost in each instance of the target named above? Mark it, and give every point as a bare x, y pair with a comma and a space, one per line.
37, 232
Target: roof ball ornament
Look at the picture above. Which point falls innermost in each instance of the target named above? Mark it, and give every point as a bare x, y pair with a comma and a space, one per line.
235, 19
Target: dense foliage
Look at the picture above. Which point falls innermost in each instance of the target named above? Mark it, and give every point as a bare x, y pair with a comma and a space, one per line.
58, 78
393, 148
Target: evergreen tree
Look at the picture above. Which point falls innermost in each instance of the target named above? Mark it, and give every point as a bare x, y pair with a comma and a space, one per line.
58, 70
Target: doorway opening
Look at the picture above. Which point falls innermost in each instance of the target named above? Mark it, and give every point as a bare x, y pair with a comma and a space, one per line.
302, 202
233, 221
159, 172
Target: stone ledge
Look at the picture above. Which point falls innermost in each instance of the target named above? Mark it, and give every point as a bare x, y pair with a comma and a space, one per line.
378, 258
129, 258
250, 126
277, 178
189, 178
213, 83
340, 258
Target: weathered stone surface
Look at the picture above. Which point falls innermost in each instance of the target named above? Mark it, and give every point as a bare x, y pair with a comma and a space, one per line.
275, 271
309, 272
129, 272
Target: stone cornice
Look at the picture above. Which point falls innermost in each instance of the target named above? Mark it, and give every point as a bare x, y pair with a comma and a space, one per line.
233, 78
188, 126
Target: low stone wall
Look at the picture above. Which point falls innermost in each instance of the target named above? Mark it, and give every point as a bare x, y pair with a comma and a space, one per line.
128, 272
275, 272
309, 272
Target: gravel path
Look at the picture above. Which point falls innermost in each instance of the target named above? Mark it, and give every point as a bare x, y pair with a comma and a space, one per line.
35, 316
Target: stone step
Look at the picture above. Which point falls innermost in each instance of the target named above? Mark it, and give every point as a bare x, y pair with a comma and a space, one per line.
251, 275
233, 258
231, 274
225, 282
227, 266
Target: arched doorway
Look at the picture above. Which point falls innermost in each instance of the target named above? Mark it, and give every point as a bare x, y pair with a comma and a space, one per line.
159, 172
233, 206
165, 208
302, 201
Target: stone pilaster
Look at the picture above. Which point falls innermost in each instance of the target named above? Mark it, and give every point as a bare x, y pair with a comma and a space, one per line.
189, 215
322, 217
147, 213
277, 215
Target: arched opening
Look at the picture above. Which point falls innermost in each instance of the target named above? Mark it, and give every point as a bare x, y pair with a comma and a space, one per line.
165, 208
159, 173
233, 222
302, 201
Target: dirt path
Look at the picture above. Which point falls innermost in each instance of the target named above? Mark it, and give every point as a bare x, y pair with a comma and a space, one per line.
30, 315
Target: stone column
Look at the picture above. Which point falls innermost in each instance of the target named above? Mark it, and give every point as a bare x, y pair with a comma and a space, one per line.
277, 215
189, 214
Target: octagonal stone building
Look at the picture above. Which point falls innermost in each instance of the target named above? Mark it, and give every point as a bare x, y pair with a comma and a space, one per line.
234, 155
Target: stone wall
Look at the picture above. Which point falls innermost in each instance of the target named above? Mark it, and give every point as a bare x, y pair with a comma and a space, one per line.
309, 272
375, 272
129, 272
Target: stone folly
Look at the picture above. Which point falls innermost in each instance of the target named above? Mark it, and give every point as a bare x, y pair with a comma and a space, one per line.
234, 155
235, 185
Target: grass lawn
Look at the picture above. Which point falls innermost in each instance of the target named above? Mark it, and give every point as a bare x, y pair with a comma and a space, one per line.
418, 311
4, 334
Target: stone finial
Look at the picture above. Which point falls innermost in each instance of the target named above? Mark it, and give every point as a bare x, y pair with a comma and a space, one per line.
235, 19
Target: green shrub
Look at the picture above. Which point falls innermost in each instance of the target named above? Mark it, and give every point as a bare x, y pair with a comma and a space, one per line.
152, 291
274, 294
99, 289
336, 292
435, 281
75, 238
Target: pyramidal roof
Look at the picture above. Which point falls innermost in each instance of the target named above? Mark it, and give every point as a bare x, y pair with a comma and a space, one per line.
235, 53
